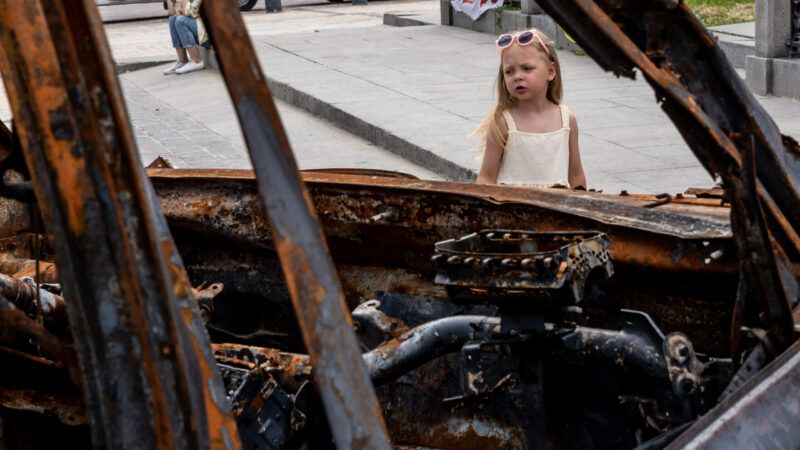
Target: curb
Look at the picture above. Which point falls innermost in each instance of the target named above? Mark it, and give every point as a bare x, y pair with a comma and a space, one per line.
736, 51
402, 20
372, 133
134, 64
361, 128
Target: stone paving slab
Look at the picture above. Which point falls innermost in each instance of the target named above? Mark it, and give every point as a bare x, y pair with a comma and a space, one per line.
202, 131
417, 91
627, 141
162, 130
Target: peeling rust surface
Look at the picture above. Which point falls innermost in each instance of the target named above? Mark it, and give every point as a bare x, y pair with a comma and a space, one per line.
12, 320
293, 365
460, 434
439, 210
604, 208
25, 296
345, 203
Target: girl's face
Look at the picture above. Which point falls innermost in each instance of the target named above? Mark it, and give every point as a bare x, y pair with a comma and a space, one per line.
527, 71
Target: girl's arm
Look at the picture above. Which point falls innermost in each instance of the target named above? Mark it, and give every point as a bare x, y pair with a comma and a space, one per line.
577, 180
493, 156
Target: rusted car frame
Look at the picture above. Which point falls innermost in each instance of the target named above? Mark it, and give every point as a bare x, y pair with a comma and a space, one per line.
146, 368
310, 274
725, 126
134, 360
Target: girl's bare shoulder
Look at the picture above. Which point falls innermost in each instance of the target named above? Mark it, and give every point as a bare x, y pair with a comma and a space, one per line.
502, 124
573, 121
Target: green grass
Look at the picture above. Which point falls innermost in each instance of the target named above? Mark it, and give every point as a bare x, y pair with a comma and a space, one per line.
723, 12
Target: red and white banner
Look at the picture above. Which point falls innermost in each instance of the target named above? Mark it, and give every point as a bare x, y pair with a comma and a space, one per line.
474, 8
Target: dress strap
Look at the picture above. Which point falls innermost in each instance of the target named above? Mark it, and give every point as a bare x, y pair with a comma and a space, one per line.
564, 116
509, 121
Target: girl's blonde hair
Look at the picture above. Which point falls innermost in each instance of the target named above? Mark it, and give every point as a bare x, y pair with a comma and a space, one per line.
491, 124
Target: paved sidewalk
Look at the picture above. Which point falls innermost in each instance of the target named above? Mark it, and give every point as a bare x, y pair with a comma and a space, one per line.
420, 90
162, 130
208, 136
416, 91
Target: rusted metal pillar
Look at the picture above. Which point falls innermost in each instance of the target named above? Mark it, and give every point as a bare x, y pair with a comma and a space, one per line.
350, 403
149, 377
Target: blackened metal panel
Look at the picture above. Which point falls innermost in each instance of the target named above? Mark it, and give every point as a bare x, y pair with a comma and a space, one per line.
350, 403
724, 125
148, 373
763, 413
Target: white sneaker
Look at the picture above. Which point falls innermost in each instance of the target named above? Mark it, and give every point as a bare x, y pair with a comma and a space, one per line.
191, 66
174, 67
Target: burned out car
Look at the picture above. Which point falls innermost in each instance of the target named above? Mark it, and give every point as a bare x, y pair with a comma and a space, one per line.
354, 309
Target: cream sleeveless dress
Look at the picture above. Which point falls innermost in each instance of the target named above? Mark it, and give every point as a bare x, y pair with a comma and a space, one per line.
536, 159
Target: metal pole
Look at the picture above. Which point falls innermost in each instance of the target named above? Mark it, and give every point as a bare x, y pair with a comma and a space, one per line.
339, 372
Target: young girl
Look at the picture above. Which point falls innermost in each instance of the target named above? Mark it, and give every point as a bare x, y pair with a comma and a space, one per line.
531, 139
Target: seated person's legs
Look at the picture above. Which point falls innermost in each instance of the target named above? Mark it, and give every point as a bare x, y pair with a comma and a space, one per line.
186, 28
173, 32
176, 44
187, 31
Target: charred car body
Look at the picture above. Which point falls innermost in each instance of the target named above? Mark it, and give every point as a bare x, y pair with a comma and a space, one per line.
269, 309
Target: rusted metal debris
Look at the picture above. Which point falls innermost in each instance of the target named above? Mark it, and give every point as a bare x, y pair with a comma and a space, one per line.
147, 372
551, 267
211, 308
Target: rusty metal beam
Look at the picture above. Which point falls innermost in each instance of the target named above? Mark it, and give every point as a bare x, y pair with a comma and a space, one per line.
33, 383
436, 211
350, 403
24, 296
721, 121
148, 373
15, 320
